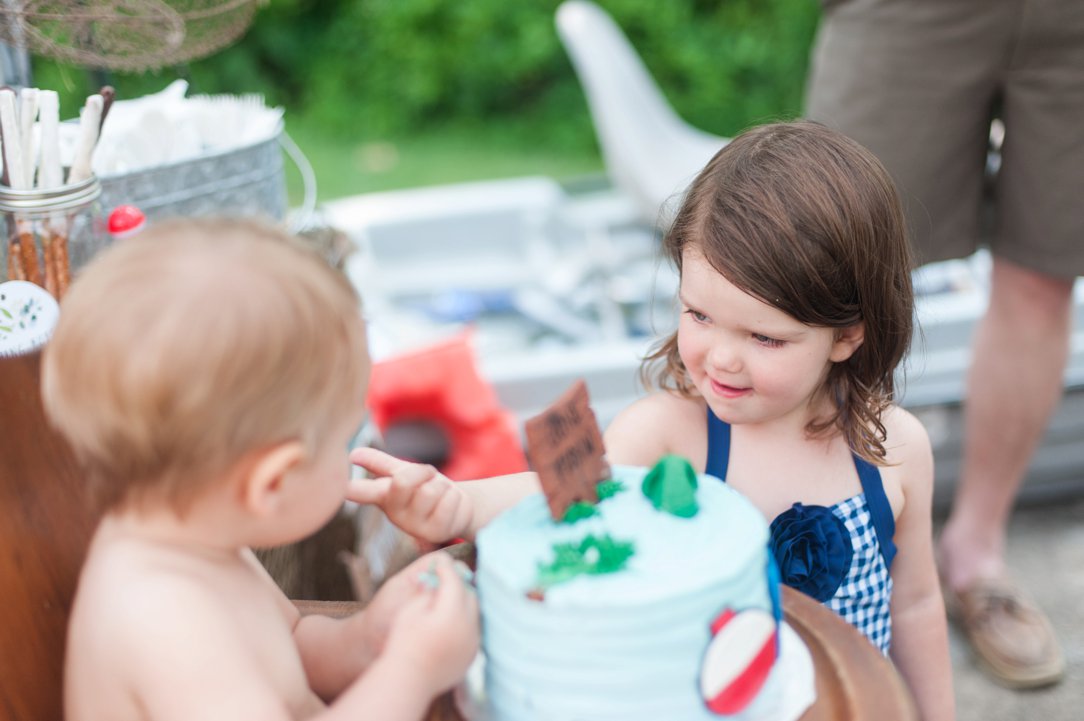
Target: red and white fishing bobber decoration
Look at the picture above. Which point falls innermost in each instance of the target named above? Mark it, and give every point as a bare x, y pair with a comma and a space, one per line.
740, 655
126, 221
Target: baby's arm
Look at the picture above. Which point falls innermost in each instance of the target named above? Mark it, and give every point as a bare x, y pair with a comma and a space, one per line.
426, 503
919, 628
335, 652
429, 647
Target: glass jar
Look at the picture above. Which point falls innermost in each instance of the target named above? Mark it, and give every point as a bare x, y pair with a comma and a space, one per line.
51, 234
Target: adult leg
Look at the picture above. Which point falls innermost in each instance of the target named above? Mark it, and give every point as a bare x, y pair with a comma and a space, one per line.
1014, 383
1013, 386
1022, 343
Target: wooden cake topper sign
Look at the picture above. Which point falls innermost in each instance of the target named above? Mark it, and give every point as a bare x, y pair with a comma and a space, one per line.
564, 446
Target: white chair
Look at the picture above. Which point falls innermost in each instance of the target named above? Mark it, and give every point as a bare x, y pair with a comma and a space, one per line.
649, 151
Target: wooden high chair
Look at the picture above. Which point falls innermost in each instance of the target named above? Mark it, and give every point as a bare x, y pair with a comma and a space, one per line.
45, 525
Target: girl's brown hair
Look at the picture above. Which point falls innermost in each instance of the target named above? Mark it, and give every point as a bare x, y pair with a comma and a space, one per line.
808, 221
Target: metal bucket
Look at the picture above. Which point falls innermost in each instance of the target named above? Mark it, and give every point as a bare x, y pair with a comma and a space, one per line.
247, 181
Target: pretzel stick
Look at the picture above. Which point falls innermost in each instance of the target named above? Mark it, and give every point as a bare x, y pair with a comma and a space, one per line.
61, 264
28, 112
13, 149
48, 255
29, 251
13, 161
108, 95
90, 124
5, 177
15, 260
14, 254
90, 120
51, 176
90, 127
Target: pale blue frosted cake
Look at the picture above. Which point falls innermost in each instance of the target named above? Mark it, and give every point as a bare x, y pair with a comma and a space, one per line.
629, 643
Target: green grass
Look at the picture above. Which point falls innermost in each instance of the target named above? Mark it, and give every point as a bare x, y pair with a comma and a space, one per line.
454, 155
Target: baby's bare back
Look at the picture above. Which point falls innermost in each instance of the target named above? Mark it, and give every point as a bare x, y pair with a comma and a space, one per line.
162, 631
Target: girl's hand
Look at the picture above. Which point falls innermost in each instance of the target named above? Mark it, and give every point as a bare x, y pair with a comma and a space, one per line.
416, 497
436, 634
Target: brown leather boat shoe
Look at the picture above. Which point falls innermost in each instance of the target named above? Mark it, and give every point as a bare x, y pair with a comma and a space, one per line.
1010, 635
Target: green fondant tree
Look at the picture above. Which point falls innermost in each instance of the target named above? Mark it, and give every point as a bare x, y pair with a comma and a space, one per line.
671, 486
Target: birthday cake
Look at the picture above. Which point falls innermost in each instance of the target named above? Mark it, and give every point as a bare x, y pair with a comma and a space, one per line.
658, 601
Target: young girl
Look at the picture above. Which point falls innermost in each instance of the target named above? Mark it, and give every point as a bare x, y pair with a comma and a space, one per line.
796, 309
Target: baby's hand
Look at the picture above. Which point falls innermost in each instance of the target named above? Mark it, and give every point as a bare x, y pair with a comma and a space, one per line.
393, 596
436, 634
416, 497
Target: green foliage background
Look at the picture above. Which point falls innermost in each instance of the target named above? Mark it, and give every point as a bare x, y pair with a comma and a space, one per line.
388, 93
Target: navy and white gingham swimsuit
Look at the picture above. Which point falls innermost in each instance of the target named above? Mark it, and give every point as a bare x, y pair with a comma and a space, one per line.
864, 595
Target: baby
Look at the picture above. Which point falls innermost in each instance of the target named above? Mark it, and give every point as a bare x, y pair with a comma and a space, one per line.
210, 376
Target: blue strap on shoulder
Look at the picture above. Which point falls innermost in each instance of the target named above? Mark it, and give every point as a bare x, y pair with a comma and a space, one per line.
718, 447
884, 523
880, 510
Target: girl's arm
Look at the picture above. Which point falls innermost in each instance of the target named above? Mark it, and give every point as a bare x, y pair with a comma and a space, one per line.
919, 628
427, 504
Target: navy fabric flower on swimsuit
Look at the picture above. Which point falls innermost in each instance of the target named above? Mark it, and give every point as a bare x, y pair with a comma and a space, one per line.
813, 549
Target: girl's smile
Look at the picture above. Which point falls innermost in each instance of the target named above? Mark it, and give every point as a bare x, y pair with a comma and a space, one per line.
728, 391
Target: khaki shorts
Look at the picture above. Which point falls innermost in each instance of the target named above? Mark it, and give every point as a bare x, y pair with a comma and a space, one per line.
918, 82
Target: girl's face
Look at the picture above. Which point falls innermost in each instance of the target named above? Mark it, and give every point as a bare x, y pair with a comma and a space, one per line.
752, 362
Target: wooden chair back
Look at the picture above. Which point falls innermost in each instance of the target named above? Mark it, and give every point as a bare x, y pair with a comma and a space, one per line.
45, 526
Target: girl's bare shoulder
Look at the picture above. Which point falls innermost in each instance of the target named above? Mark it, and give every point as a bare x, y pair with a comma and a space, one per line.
654, 425
906, 437
909, 454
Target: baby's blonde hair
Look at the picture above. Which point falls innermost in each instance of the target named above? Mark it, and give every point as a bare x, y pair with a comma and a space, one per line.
183, 349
